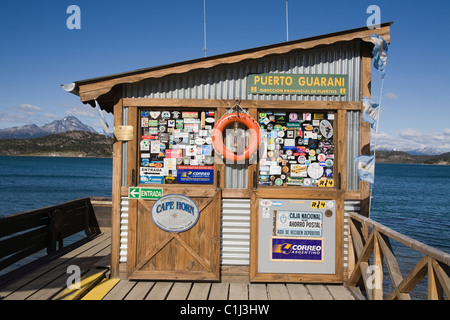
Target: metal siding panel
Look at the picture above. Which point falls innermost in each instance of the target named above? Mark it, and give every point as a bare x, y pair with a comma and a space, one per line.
230, 81
123, 230
235, 232
353, 144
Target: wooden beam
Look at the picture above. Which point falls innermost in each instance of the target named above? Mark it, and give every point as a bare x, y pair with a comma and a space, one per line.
246, 104
116, 192
392, 265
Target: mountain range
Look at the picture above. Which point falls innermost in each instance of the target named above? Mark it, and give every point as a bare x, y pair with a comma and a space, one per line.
30, 131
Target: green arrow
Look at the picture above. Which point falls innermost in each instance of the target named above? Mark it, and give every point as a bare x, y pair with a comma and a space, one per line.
133, 193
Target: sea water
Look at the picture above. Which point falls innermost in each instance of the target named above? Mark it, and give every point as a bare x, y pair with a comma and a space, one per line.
28, 183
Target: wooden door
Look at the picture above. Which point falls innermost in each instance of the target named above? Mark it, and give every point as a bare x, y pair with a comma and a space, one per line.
154, 253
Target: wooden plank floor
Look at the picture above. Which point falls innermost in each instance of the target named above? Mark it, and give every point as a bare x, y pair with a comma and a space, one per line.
149, 290
50, 282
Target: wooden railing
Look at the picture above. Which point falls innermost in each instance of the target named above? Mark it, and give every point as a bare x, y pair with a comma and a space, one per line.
24, 234
370, 246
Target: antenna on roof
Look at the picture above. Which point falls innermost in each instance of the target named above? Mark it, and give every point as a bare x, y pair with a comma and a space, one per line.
204, 25
287, 22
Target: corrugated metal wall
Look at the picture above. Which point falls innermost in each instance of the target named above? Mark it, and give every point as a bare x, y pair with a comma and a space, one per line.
353, 148
230, 81
235, 232
123, 230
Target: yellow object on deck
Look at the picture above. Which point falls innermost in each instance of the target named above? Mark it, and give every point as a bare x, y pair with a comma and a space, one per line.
88, 281
101, 290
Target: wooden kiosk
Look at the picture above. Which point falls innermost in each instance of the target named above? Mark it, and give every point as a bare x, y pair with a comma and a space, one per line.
181, 211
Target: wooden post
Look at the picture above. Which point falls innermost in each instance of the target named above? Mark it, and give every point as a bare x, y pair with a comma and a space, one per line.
377, 293
116, 188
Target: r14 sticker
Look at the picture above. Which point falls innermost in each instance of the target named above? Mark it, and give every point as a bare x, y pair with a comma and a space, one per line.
318, 204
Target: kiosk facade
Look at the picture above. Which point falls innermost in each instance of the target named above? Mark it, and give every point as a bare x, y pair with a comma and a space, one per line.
200, 192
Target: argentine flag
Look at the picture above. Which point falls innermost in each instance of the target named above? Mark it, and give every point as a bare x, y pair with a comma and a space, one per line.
379, 53
366, 168
370, 113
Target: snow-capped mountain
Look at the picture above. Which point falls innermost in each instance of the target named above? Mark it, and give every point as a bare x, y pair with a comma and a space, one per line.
28, 131
412, 151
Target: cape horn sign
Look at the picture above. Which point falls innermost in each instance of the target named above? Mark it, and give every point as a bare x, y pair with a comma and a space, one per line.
219, 128
175, 213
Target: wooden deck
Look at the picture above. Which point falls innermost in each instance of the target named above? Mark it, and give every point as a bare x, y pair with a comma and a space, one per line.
49, 282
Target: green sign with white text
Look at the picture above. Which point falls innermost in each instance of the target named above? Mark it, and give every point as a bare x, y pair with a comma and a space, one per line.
145, 193
301, 84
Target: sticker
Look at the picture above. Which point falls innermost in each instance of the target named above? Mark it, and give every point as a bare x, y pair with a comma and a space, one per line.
179, 124
278, 182
278, 127
210, 120
275, 170
151, 179
298, 170
150, 171
265, 203
292, 181
144, 145
155, 114
326, 129
298, 224
315, 171
144, 114
155, 146
293, 117
289, 143
206, 150
199, 141
195, 174
296, 249
191, 127
189, 114
165, 115
175, 114
190, 151
328, 183
317, 204
174, 153
318, 116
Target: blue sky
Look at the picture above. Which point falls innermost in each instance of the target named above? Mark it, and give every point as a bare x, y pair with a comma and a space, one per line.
38, 52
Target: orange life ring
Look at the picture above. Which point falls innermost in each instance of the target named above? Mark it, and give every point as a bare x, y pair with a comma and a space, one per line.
217, 136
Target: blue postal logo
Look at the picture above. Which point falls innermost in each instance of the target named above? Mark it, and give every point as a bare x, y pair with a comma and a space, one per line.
297, 249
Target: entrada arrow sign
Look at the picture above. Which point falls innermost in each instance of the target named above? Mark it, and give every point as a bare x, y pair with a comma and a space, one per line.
145, 193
